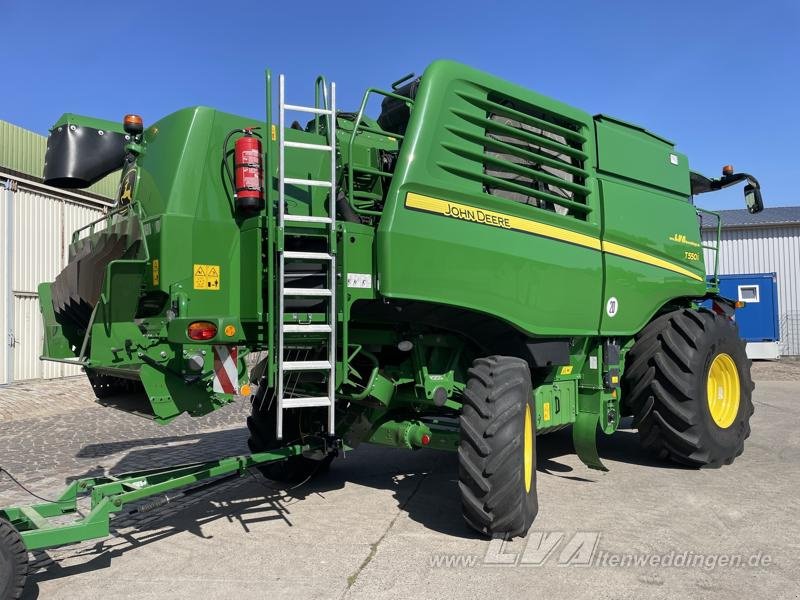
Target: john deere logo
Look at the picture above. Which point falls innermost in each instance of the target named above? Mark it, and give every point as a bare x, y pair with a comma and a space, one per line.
126, 187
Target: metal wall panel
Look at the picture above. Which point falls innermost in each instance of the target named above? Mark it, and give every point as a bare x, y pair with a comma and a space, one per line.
5, 291
766, 250
37, 239
28, 333
43, 224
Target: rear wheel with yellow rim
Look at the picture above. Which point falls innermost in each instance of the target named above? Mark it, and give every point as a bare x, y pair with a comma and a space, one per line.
497, 451
687, 382
723, 390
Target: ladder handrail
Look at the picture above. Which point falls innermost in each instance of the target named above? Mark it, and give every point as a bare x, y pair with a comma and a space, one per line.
320, 82
269, 197
356, 125
329, 329
715, 248
332, 270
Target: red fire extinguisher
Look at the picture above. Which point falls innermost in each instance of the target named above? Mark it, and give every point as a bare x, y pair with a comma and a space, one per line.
249, 173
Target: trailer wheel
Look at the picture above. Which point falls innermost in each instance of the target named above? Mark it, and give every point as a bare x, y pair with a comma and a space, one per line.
261, 424
497, 452
687, 381
13, 562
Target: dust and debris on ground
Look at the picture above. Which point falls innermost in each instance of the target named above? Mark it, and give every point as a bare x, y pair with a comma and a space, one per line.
786, 369
386, 523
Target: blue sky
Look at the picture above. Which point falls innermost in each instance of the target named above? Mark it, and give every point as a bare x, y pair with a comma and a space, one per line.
719, 78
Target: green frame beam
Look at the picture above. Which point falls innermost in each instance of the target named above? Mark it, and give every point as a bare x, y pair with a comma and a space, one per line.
110, 494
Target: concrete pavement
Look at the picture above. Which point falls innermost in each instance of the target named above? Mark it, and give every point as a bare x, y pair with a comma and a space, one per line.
386, 523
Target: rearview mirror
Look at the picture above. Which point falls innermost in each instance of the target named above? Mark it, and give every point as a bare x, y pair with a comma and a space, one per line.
752, 198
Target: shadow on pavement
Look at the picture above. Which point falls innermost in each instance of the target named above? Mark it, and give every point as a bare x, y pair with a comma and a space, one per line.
424, 484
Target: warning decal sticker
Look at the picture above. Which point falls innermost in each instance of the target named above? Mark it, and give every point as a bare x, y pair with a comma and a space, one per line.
206, 277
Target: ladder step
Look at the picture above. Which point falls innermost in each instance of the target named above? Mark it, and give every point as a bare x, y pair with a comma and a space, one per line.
306, 291
307, 255
306, 219
309, 182
305, 365
306, 402
294, 328
307, 109
306, 146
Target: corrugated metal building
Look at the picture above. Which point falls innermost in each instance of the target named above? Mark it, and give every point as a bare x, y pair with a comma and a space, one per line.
36, 222
764, 243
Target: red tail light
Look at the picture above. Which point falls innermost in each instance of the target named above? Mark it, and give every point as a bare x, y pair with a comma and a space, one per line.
201, 330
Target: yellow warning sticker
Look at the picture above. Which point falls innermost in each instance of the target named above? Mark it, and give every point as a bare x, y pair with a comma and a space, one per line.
274, 135
206, 277
566, 370
156, 274
546, 411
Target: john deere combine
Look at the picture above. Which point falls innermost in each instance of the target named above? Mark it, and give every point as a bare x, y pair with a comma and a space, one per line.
478, 265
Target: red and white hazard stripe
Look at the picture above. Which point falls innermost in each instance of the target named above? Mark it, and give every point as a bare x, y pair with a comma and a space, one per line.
226, 375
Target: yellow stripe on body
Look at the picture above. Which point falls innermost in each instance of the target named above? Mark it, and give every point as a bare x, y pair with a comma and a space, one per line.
649, 259
465, 212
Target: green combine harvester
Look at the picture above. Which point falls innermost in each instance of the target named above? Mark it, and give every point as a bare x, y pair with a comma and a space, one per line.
478, 265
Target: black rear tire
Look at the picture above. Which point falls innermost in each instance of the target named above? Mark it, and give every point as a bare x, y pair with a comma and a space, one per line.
665, 385
13, 562
261, 424
497, 452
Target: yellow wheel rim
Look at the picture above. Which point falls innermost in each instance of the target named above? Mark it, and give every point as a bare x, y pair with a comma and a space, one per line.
722, 388
528, 449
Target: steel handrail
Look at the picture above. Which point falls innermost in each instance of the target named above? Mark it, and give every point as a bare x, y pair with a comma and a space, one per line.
108, 215
700, 212
356, 125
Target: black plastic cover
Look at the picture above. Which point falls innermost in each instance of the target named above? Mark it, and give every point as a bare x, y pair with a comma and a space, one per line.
548, 352
395, 113
78, 156
610, 354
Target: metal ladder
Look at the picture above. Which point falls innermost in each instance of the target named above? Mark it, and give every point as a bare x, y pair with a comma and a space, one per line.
285, 366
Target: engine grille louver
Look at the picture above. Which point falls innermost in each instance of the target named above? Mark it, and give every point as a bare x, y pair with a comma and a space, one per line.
527, 154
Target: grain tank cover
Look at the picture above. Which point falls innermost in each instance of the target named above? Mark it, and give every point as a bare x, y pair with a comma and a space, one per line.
83, 150
629, 151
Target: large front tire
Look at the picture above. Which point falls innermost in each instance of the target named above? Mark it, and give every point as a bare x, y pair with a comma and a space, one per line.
497, 452
687, 382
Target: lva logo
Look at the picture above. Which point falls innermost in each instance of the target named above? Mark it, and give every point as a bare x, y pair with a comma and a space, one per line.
575, 551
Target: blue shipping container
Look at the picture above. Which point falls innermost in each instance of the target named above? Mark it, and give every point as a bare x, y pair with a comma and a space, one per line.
758, 319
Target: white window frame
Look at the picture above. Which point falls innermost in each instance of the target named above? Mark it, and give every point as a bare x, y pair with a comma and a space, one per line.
751, 286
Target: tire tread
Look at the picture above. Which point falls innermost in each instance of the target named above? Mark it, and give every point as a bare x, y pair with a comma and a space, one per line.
493, 499
660, 380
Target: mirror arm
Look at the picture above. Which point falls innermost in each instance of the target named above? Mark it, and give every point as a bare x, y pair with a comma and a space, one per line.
728, 180
712, 185
701, 184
